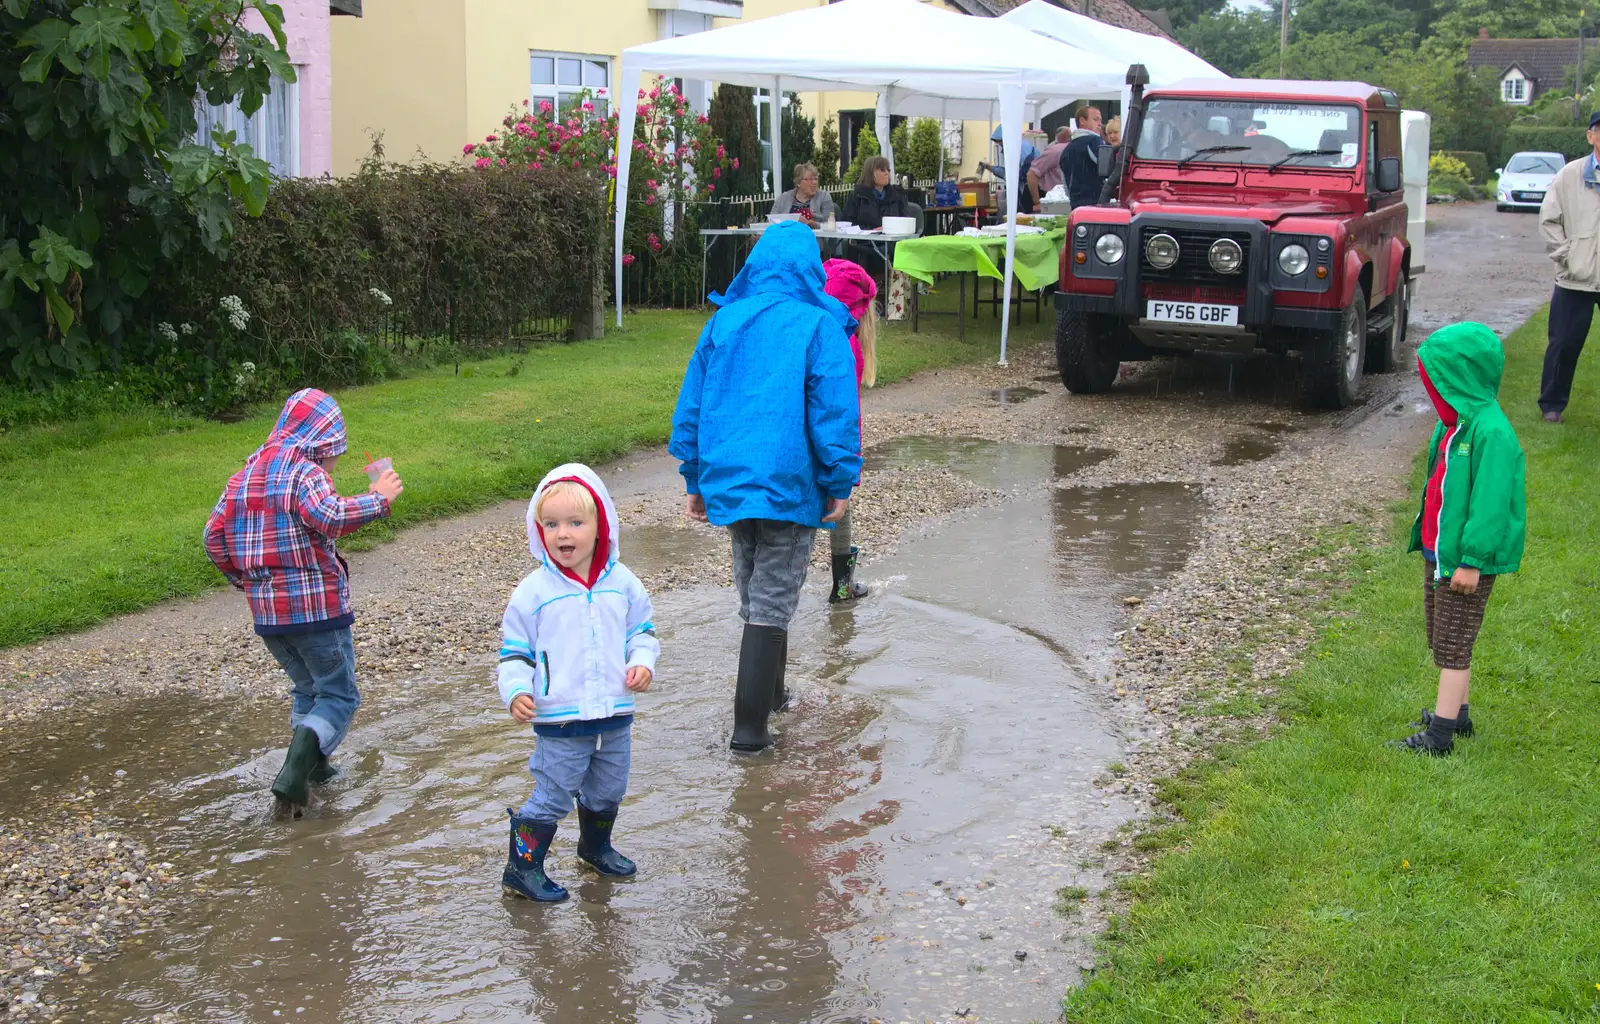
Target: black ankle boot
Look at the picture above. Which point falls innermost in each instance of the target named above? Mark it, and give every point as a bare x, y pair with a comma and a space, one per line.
845, 588
524, 874
1463, 722
594, 843
292, 786
1438, 739
760, 656
780, 692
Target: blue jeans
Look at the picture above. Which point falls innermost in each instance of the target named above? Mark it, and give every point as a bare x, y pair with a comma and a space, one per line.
592, 768
322, 667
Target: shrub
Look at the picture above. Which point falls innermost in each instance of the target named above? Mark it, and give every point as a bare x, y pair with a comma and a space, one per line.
827, 158
733, 120
104, 179
1477, 164
425, 253
1451, 185
1571, 142
866, 146
1442, 165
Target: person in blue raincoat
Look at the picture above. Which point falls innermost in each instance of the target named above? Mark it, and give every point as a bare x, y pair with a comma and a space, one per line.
767, 431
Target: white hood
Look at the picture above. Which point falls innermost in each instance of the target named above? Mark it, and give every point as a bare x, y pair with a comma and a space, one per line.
576, 471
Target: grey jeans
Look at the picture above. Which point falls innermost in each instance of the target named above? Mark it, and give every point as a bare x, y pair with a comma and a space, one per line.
769, 568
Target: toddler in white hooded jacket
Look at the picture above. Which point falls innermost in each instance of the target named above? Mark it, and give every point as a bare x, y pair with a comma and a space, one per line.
577, 645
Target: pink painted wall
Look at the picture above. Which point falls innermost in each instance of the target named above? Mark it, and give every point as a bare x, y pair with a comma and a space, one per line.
305, 22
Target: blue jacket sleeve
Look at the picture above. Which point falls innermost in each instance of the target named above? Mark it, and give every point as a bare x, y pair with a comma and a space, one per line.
833, 410
685, 443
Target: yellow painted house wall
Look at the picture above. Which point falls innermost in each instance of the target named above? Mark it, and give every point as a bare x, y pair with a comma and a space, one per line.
432, 75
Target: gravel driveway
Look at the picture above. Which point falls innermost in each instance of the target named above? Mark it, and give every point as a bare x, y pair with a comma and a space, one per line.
1277, 483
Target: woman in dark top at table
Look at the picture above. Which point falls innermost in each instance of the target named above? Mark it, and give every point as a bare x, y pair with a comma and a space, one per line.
813, 206
874, 199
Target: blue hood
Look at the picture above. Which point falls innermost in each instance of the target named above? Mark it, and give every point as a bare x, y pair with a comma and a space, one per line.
768, 424
785, 265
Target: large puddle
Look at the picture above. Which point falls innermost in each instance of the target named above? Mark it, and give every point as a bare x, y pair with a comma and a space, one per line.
904, 843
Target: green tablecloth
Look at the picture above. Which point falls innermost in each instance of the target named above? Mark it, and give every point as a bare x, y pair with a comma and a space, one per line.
1038, 260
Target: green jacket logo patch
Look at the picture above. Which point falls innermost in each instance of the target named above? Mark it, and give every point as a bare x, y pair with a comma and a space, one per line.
1464, 448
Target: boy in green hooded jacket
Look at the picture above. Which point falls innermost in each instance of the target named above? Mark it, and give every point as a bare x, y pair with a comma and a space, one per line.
1472, 524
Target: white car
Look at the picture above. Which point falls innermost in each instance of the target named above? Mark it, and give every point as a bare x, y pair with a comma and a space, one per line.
1524, 179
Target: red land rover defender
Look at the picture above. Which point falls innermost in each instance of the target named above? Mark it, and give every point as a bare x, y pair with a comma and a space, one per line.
1239, 217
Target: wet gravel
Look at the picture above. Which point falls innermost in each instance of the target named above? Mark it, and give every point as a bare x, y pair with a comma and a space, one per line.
72, 892
1237, 617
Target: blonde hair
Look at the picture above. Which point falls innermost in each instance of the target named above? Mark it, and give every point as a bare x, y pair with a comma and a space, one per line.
579, 494
1114, 125
867, 338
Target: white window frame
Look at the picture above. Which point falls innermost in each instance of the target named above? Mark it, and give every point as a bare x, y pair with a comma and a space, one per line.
554, 92
1514, 88
253, 130
763, 103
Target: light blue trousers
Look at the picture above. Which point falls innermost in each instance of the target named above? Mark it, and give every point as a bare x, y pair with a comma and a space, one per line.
592, 769
322, 667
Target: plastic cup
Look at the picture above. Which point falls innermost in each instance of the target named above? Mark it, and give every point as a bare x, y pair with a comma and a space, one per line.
377, 467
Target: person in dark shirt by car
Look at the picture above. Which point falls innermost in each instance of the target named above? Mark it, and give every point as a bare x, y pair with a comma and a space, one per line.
1080, 161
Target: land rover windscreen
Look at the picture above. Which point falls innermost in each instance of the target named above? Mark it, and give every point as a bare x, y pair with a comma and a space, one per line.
1230, 131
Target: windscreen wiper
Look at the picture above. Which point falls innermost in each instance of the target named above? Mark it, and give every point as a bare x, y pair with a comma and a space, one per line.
1305, 152
1209, 150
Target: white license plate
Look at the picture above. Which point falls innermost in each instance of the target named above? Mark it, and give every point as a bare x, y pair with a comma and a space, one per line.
1203, 314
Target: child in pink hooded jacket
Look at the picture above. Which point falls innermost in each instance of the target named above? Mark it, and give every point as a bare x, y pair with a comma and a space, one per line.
854, 287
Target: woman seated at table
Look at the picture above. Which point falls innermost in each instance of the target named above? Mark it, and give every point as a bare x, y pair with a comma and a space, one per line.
874, 199
813, 206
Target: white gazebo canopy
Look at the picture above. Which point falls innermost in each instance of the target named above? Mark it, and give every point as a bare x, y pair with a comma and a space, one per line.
920, 61
1166, 61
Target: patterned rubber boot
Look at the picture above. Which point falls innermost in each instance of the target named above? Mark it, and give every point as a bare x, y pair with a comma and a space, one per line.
845, 588
760, 656
594, 844
291, 790
524, 876
781, 700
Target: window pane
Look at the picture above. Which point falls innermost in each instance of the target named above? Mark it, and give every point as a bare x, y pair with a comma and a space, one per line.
543, 70
567, 72
596, 73
275, 142
602, 109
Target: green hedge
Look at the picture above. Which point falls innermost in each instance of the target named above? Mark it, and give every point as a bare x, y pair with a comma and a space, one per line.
1477, 163
1449, 184
337, 273
1571, 142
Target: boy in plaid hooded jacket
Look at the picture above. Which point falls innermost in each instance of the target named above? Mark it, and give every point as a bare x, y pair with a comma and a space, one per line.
272, 535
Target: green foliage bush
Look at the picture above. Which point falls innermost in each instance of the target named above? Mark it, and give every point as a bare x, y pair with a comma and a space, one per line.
104, 180
866, 146
1476, 164
799, 142
1442, 165
917, 148
1570, 142
431, 254
733, 120
1451, 185
827, 158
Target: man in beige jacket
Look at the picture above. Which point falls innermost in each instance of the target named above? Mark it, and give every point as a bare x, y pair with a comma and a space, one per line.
1569, 219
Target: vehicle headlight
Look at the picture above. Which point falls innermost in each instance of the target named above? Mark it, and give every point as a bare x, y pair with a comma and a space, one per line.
1110, 248
1161, 251
1294, 260
1225, 256
1505, 197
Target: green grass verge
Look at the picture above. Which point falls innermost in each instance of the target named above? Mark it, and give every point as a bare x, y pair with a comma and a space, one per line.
104, 516
1324, 877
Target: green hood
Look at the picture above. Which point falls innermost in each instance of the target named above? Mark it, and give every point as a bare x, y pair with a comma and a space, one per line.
1464, 363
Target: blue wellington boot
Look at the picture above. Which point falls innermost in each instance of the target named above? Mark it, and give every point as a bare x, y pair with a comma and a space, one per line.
524, 876
594, 844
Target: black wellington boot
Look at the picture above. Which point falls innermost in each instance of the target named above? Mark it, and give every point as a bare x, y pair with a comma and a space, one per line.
780, 692
524, 875
292, 787
845, 588
760, 656
594, 843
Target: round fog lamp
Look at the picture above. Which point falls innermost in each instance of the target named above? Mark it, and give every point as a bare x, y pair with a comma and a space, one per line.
1080, 258
1225, 256
1162, 251
1081, 231
1109, 248
1294, 260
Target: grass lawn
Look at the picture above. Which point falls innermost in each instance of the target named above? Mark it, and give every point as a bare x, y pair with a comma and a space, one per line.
1323, 877
104, 516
